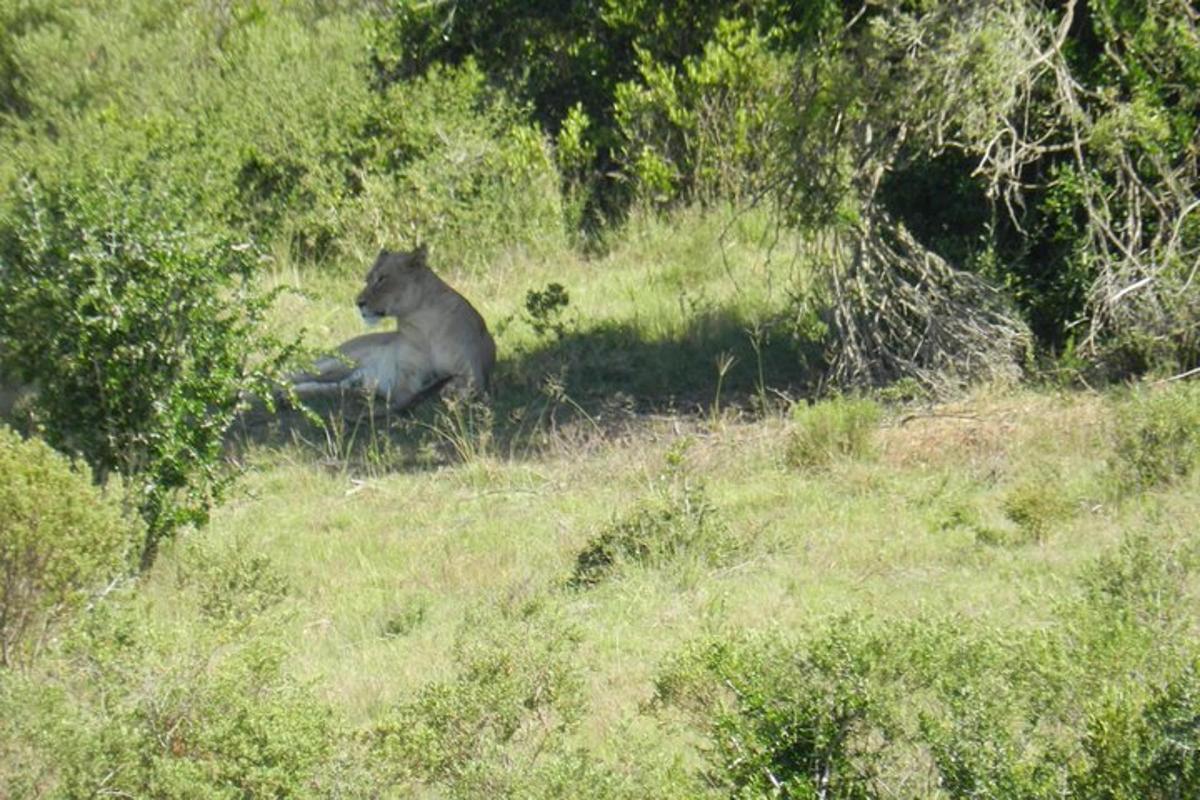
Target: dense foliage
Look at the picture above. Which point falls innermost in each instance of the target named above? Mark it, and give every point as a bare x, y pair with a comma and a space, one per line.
582, 65
1051, 148
133, 326
62, 541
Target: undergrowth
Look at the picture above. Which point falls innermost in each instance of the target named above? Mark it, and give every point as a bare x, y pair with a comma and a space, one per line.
674, 523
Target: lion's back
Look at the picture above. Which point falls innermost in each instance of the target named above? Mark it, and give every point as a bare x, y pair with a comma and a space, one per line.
467, 337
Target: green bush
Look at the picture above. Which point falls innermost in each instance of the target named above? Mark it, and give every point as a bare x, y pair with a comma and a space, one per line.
712, 129
1089, 705
61, 541
405, 617
143, 333
544, 309
454, 164
107, 88
245, 730
991, 702
1142, 580
676, 521
1037, 505
980, 750
785, 719
232, 583
822, 433
1143, 743
263, 119
1156, 437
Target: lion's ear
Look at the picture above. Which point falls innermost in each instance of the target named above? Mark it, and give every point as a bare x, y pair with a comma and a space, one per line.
419, 255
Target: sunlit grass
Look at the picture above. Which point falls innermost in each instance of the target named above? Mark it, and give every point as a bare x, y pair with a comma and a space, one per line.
895, 535
387, 556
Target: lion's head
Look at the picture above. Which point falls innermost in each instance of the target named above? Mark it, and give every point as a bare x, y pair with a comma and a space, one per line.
395, 285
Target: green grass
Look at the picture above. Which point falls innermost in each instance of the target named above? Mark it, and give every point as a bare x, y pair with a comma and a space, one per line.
925, 525
895, 537
378, 563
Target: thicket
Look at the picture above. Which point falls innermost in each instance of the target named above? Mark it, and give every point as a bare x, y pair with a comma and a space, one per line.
939, 152
595, 74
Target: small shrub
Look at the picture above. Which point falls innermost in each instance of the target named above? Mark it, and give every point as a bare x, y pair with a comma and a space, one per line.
1143, 580
677, 520
957, 514
61, 540
544, 309
785, 719
905, 390
991, 705
1144, 744
994, 537
130, 710
1036, 505
981, 749
1157, 437
706, 130
406, 618
1011, 711
231, 584
244, 730
834, 429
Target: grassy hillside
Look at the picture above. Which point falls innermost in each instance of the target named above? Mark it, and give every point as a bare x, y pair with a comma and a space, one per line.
633, 583
992, 524
739, 517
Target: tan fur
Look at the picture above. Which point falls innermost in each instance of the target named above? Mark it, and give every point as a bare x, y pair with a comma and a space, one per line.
439, 339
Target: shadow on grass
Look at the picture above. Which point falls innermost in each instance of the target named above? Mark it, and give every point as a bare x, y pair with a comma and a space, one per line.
597, 380
679, 373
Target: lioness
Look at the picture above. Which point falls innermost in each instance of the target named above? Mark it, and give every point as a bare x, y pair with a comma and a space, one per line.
440, 339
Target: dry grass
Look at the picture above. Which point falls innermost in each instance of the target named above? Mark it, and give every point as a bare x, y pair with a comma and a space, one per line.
985, 430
